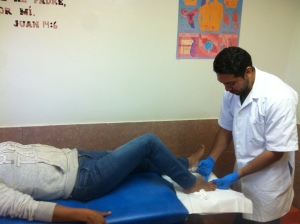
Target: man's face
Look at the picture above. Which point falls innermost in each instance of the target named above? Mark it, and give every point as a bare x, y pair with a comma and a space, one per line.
235, 85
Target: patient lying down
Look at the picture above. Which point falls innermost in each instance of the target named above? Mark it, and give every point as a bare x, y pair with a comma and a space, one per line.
32, 174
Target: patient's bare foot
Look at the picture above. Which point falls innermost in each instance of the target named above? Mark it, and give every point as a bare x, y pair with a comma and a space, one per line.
195, 158
200, 184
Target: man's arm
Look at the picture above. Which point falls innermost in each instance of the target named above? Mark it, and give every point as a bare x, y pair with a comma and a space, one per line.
221, 142
67, 214
281, 115
260, 162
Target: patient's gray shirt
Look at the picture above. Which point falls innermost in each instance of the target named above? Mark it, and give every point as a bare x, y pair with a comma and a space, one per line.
30, 174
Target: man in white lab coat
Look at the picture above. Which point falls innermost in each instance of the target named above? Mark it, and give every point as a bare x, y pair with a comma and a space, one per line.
259, 113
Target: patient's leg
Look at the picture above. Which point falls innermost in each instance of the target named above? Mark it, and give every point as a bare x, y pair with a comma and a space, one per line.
195, 158
200, 184
100, 174
190, 162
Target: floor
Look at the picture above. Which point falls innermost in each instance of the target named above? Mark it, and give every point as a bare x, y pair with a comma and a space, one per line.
293, 217
210, 219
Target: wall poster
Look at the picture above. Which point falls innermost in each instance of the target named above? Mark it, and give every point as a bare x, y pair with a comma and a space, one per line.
205, 27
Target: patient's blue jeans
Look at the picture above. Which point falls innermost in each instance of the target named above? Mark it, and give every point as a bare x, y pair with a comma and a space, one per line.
101, 170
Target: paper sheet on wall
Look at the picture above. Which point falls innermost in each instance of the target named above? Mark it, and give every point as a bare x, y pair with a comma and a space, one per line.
213, 202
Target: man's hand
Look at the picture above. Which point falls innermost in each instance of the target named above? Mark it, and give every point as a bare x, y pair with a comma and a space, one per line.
226, 181
88, 216
205, 167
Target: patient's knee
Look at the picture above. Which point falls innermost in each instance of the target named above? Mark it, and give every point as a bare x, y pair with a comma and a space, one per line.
151, 137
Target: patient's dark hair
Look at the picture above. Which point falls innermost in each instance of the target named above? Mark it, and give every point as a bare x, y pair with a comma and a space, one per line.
232, 60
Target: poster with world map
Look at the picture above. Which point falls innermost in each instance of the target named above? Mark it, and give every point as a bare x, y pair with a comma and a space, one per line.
205, 27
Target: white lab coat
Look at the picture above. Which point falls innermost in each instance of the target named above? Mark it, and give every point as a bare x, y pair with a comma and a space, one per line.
265, 121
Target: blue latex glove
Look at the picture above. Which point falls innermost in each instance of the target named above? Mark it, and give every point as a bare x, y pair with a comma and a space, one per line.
226, 181
205, 167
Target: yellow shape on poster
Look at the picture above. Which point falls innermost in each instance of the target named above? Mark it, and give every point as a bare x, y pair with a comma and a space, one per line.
231, 3
190, 2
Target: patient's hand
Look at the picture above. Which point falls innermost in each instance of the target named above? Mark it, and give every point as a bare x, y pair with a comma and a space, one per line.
200, 184
88, 216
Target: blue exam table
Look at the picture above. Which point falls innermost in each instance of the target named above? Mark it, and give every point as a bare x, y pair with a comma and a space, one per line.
140, 199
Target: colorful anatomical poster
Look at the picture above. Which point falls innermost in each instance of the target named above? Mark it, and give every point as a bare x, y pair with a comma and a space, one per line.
205, 27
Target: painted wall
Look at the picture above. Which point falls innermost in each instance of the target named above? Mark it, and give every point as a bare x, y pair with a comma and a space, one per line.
293, 68
115, 61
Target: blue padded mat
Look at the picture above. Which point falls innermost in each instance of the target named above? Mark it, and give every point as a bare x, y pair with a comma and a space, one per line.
140, 199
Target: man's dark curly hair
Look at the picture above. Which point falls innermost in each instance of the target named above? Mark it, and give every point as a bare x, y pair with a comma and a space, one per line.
232, 60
